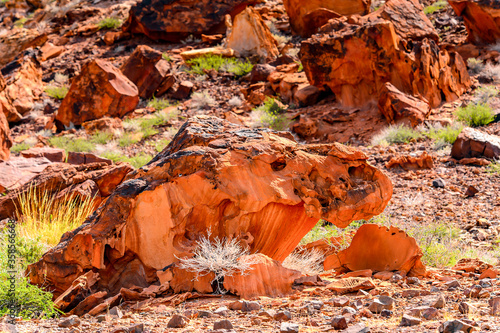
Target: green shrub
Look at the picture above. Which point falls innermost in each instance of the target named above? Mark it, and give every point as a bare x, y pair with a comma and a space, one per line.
136, 161
20, 23
129, 139
448, 134
437, 6
101, 137
57, 92
158, 103
475, 115
475, 65
271, 115
396, 134
494, 168
166, 57
71, 144
19, 147
200, 64
109, 23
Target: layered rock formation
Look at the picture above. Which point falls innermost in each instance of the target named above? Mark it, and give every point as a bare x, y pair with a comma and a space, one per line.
475, 143
147, 69
174, 20
100, 90
255, 185
481, 18
16, 41
307, 16
379, 248
355, 58
5, 140
249, 36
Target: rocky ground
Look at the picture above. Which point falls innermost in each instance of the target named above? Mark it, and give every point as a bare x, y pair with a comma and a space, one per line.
436, 189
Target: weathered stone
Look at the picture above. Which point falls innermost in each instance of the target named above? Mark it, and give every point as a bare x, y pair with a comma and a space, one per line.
245, 306
307, 16
339, 323
494, 303
465, 308
283, 316
5, 139
454, 326
380, 249
17, 171
174, 20
72, 321
409, 321
287, 327
260, 72
105, 124
223, 325
349, 285
177, 321
439, 303
382, 303
100, 90
481, 18
86, 158
52, 154
398, 107
249, 36
475, 143
202, 174
18, 40
409, 162
419, 69
147, 69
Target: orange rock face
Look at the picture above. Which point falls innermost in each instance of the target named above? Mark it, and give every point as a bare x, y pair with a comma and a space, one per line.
481, 18
408, 162
380, 249
100, 90
475, 143
249, 36
248, 184
356, 58
147, 69
5, 140
174, 20
307, 16
265, 277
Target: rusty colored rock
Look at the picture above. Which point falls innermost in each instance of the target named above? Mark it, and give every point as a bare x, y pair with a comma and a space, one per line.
249, 184
408, 162
398, 107
18, 40
52, 154
475, 143
100, 90
380, 249
24, 87
147, 69
420, 69
104, 124
472, 265
174, 20
307, 16
17, 171
5, 140
249, 36
59, 176
266, 277
86, 158
350, 285
481, 18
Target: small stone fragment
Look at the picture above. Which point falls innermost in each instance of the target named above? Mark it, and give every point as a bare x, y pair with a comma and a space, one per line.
283, 316
409, 321
177, 321
223, 324
438, 183
287, 327
440, 302
454, 326
71, 321
339, 323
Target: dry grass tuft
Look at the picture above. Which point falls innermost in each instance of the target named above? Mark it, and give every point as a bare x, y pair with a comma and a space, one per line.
306, 262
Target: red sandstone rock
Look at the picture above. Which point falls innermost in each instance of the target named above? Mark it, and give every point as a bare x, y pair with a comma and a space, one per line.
174, 20
249, 36
380, 249
356, 59
306, 16
86, 158
58, 176
100, 90
398, 107
5, 140
52, 154
265, 277
475, 143
147, 69
103, 124
350, 285
481, 18
408, 162
17, 171
18, 40
236, 181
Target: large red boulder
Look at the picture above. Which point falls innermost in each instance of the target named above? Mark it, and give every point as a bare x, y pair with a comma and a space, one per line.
481, 18
100, 90
174, 20
5, 140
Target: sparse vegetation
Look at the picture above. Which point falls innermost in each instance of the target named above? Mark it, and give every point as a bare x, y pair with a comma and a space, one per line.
216, 62
20, 23
447, 134
101, 137
129, 139
136, 161
494, 167
202, 100
271, 114
306, 262
166, 57
475, 65
490, 73
158, 103
235, 102
19, 147
396, 134
221, 256
57, 92
109, 23
484, 94
475, 115
436, 6
70, 143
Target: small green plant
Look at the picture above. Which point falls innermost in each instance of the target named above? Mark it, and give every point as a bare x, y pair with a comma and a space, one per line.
158, 103
301, 67
129, 139
475, 115
484, 94
436, 6
475, 65
20, 23
57, 92
69, 143
271, 115
396, 134
109, 23
19, 147
160, 145
202, 100
494, 168
101, 137
216, 62
136, 161
448, 134
166, 57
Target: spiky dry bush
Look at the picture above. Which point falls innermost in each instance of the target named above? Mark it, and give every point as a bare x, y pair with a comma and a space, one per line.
221, 256
306, 262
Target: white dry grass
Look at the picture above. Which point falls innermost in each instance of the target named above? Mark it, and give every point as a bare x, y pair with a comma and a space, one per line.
202, 100
306, 262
